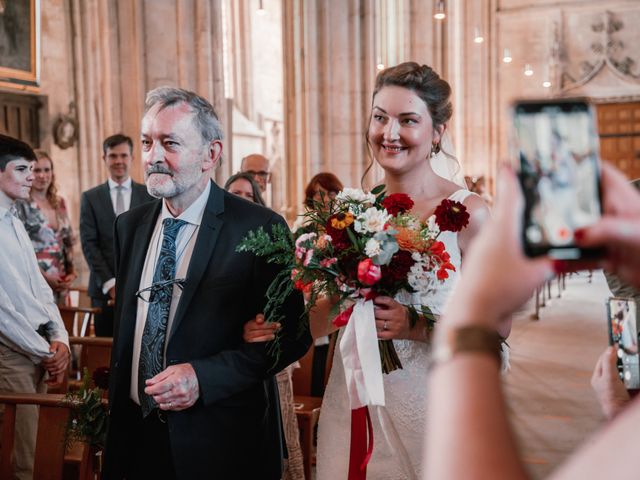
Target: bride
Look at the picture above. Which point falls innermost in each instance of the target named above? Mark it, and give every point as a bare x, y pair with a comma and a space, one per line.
409, 114
410, 110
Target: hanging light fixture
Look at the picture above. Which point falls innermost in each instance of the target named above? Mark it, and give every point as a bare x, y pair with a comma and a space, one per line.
439, 15
506, 56
528, 71
261, 10
477, 35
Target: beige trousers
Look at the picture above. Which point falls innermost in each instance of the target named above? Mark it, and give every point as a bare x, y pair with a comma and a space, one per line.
18, 374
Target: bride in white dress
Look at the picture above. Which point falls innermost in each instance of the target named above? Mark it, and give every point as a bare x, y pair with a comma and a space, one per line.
410, 110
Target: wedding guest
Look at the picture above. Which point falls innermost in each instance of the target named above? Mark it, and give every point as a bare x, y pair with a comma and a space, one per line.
257, 166
187, 396
47, 222
34, 343
245, 186
322, 188
467, 408
99, 207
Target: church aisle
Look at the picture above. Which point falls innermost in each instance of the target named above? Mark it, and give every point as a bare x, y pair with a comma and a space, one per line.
553, 408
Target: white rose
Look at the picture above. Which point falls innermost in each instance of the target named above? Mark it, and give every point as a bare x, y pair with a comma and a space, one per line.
355, 195
372, 220
372, 248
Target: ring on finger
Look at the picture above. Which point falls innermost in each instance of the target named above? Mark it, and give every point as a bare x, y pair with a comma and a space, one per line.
384, 326
170, 404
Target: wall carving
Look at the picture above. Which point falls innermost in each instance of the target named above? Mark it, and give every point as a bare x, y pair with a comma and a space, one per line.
609, 45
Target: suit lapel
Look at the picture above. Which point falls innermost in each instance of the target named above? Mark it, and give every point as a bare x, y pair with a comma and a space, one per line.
208, 234
105, 202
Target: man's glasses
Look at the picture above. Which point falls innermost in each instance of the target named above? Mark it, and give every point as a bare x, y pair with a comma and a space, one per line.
262, 174
150, 293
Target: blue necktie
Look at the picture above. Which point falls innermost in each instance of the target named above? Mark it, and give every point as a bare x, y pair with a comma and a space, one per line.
155, 328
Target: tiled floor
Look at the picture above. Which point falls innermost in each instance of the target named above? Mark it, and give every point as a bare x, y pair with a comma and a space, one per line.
553, 408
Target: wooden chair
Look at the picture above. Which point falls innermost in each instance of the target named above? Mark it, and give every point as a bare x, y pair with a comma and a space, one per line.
79, 297
78, 320
93, 353
50, 452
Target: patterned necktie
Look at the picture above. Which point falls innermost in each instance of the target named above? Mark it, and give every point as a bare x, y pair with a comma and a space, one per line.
119, 200
155, 328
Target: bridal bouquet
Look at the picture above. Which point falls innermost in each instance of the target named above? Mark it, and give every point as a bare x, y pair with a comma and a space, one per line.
366, 244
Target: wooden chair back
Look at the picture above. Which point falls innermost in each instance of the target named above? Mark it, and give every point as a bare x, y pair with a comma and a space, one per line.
79, 296
49, 455
78, 320
94, 352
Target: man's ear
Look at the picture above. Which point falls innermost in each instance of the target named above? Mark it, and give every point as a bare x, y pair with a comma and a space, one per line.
214, 155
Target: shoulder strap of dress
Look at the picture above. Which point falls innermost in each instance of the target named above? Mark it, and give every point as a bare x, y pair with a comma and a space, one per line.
460, 195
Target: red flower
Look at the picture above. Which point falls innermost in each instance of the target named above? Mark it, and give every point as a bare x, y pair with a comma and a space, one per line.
339, 237
398, 267
101, 377
451, 216
397, 203
343, 318
368, 272
442, 273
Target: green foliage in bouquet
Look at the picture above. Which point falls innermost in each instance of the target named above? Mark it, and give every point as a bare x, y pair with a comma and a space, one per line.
88, 418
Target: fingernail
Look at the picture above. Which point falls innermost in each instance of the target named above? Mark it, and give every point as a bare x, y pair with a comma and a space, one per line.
579, 234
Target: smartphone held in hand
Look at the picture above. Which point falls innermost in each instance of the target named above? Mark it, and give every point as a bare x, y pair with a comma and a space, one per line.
556, 146
623, 330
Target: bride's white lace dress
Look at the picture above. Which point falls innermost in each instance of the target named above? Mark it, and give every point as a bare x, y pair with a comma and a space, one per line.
405, 397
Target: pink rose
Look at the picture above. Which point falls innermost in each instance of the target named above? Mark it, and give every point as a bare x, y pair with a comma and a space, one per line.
368, 272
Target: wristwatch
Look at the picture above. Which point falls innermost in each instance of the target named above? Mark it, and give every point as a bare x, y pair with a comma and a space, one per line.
470, 338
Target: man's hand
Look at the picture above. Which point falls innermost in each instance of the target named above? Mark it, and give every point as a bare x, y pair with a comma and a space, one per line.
112, 296
55, 380
58, 363
610, 390
257, 330
175, 388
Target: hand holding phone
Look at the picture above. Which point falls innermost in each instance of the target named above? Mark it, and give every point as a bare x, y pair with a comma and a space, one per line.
557, 149
623, 331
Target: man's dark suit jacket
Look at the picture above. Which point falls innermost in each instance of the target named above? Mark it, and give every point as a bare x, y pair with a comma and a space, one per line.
96, 232
229, 432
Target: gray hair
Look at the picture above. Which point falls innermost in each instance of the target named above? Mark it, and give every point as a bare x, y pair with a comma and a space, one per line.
205, 115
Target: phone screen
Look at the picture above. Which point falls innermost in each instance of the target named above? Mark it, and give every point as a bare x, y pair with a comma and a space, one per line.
557, 148
623, 330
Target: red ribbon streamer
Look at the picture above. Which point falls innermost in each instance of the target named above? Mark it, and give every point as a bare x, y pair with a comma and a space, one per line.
361, 450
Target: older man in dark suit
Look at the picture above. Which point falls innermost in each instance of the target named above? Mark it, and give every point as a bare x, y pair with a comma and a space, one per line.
188, 398
99, 208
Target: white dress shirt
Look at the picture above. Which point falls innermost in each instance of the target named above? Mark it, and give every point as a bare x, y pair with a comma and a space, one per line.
126, 194
26, 300
185, 242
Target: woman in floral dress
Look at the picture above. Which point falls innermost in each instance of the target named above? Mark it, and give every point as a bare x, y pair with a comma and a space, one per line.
46, 220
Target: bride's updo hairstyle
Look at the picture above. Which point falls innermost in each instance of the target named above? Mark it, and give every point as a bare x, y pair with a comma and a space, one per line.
426, 84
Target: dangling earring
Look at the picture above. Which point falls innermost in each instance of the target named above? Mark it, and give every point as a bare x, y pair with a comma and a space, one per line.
435, 149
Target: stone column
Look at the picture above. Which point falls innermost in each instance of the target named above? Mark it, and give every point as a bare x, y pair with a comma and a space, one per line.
329, 68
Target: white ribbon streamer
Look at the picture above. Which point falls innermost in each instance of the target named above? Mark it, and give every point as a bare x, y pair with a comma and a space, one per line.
361, 358
363, 373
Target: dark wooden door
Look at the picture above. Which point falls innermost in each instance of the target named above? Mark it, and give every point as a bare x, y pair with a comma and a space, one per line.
20, 117
619, 131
